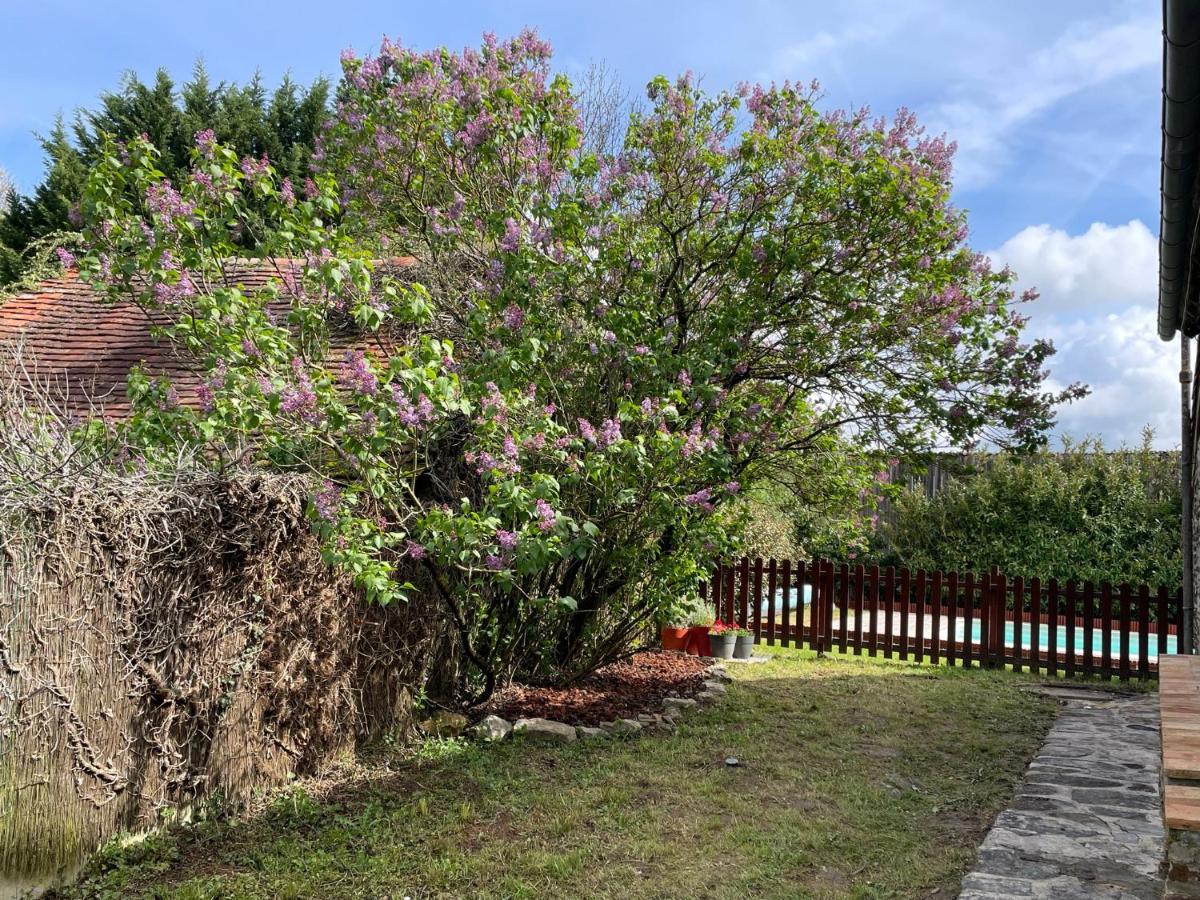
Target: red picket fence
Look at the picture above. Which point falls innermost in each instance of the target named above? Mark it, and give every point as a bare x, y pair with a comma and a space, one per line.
984, 620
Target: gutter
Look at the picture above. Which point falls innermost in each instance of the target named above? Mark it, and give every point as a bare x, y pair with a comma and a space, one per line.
1180, 150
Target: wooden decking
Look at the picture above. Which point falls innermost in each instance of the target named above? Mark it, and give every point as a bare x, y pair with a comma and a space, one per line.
1179, 705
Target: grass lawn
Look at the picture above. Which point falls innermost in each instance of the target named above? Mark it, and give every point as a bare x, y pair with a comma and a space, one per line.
860, 779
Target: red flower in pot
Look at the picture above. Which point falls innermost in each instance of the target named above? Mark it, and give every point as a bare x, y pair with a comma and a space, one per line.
721, 638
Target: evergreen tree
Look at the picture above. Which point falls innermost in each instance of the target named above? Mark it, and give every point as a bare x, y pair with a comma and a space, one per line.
282, 124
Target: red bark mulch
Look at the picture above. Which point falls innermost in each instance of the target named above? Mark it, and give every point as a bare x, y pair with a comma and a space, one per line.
618, 691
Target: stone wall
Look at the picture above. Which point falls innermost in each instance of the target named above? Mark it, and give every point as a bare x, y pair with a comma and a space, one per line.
1183, 863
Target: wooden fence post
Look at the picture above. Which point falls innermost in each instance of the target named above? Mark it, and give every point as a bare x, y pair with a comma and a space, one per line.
997, 598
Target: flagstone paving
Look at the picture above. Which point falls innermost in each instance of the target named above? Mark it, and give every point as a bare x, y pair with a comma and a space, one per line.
1087, 822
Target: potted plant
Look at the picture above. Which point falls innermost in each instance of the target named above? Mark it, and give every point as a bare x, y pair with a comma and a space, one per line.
697, 639
674, 635
722, 637
743, 647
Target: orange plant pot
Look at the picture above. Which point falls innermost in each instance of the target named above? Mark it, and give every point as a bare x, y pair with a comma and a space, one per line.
674, 638
697, 641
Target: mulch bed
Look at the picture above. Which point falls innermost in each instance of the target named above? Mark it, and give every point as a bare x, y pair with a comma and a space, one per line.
618, 691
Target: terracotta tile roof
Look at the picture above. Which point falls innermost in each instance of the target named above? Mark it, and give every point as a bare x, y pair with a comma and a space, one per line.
86, 347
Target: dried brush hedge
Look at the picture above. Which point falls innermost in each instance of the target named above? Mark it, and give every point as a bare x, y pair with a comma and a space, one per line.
168, 639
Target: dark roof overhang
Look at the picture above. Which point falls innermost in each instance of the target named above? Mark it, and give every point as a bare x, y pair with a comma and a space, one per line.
1180, 153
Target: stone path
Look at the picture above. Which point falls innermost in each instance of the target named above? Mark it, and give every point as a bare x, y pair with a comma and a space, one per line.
1087, 822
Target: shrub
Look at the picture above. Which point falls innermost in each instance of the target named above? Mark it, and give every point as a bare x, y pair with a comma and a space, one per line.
1083, 513
595, 353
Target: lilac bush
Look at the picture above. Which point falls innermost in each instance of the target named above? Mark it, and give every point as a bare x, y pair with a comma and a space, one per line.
592, 356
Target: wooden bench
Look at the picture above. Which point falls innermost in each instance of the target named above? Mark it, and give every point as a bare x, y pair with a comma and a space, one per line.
1179, 711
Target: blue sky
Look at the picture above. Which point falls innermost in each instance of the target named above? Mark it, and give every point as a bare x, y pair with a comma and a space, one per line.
1055, 106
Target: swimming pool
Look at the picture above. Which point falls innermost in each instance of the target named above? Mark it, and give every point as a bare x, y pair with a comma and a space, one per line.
1169, 646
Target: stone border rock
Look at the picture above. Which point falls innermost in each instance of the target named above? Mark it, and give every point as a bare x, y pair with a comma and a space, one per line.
493, 729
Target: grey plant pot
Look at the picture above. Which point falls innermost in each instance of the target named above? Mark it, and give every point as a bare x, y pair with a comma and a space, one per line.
722, 645
744, 648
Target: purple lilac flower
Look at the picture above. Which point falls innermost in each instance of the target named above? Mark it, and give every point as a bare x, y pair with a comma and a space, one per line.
413, 550
546, 516
206, 141
610, 432
507, 539
732, 487
163, 200
327, 501
587, 431
514, 317
356, 373
411, 415
511, 242
701, 498
204, 394
424, 408
301, 400
65, 256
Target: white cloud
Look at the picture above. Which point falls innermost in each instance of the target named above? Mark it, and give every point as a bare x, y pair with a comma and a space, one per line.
1098, 306
988, 109
1133, 376
1106, 267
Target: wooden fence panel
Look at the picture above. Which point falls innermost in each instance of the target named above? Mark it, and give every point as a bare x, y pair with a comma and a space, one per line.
1052, 628
1072, 611
949, 646
1035, 624
843, 605
739, 591
935, 608
730, 597
1143, 611
998, 600
944, 618
772, 586
1163, 616
1018, 592
1123, 626
786, 601
984, 614
856, 592
828, 633
800, 580
1105, 615
919, 619
873, 641
889, 608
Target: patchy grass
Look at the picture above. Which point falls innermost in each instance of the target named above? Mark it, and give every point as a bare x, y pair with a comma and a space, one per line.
860, 779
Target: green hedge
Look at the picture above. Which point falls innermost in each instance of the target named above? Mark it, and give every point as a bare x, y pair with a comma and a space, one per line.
1082, 513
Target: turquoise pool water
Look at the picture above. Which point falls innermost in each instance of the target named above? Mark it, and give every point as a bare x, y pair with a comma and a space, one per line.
1043, 636
1081, 638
